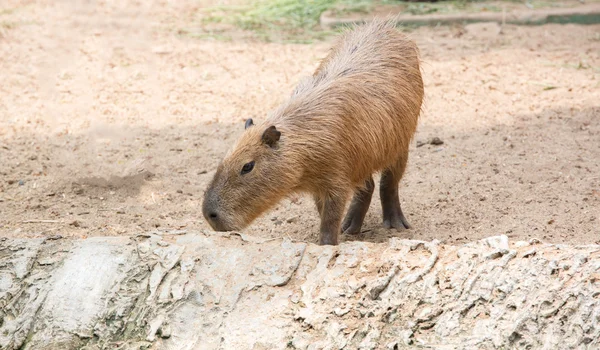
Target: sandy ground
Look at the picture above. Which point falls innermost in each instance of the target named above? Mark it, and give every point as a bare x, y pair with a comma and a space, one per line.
112, 122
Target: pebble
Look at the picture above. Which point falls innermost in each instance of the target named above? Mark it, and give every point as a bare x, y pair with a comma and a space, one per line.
340, 312
165, 331
436, 141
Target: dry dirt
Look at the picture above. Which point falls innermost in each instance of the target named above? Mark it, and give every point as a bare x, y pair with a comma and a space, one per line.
113, 119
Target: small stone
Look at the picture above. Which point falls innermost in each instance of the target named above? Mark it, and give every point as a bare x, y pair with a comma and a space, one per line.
421, 143
292, 219
436, 141
179, 191
295, 298
164, 331
21, 182
75, 223
340, 312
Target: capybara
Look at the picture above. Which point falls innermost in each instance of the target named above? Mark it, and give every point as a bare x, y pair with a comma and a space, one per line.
355, 116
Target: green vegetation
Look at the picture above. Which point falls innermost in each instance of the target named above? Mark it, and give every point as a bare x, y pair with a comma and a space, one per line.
286, 20
298, 20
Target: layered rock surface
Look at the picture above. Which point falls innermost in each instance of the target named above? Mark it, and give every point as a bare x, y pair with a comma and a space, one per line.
207, 291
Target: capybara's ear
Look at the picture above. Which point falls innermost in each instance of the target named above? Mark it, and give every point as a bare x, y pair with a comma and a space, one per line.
271, 136
249, 123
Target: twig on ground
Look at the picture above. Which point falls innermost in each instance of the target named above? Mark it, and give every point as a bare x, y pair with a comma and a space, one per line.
42, 221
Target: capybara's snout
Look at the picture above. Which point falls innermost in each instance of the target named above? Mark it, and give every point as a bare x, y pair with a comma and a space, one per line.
212, 213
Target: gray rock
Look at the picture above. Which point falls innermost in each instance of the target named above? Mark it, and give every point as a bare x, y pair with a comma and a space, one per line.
230, 291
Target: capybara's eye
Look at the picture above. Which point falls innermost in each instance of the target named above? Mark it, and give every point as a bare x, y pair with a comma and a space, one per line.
247, 167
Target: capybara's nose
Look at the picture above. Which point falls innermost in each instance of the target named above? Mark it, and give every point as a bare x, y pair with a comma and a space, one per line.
213, 219
209, 212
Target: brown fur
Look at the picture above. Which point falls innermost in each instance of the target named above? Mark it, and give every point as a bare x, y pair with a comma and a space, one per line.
355, 116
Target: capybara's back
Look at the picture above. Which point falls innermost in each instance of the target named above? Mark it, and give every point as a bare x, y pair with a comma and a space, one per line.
367, 96
355, 116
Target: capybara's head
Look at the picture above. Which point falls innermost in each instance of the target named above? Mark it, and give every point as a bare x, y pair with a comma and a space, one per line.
251, 178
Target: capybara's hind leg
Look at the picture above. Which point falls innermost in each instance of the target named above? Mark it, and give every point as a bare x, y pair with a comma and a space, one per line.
331, 218
358, 208
390, 202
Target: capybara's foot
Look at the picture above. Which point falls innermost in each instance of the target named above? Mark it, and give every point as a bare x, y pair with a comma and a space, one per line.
352, 224
390, 203
395, 219
358, 209
328, 239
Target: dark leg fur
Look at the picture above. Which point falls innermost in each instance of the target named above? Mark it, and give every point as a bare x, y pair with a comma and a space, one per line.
358, 209
331, 217
390, 202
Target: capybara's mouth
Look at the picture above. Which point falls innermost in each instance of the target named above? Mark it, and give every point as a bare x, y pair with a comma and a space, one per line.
222, 228
219, 225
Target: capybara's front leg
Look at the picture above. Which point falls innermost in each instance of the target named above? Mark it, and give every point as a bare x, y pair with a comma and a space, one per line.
331, 218
319, 201
358, 208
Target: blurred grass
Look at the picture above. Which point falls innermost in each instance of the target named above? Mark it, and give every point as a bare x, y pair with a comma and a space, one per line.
285, 20
298, 20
